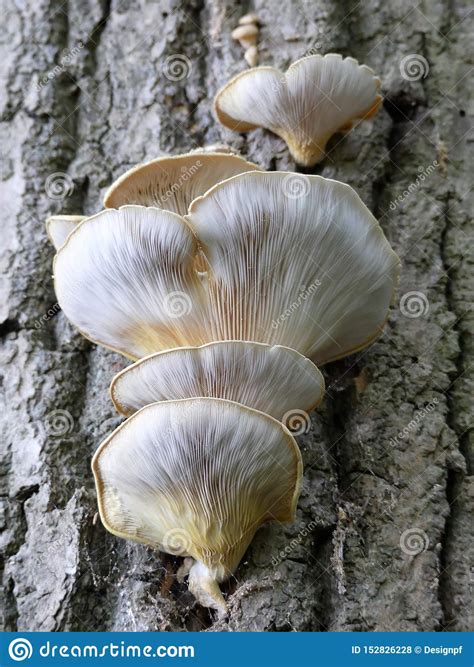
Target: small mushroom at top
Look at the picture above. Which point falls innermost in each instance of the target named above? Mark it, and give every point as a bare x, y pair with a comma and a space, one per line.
273, 379
315, 98
58, 227
247, 19
251, 56
246, 34
197, 478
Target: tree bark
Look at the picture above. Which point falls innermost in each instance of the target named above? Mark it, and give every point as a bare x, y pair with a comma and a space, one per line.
344, 565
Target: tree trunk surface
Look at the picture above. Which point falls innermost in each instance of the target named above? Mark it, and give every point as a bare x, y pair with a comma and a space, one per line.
383, 538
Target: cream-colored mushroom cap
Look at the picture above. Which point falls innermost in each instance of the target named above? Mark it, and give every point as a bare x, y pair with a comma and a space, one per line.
58, 227
316, 97
246, 34
248, 18
272, 379
171, 183
294, 260
126, 279
197, 478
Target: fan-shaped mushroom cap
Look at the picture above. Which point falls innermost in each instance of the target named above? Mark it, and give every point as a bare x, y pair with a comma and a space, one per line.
273, 379
58, 227
171, 183
309, 269
317, 97
125, 278
197, 478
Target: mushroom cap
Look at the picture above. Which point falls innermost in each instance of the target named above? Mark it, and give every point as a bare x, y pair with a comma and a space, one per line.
248, 18
272, 379
126, 279
58, 227
197, 478
316, 97
310, 270
171, 183
294, 260
246, 34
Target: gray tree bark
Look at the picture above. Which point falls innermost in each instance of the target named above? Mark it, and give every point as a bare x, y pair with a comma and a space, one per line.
346, 564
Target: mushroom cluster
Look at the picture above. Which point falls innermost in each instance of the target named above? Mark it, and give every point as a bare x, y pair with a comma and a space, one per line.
227, 291
246, 33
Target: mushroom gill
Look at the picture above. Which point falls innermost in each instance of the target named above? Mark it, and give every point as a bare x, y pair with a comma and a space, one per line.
58, 227
171, 183
126, 279
311, 271
316, 97
197, 478
272, 379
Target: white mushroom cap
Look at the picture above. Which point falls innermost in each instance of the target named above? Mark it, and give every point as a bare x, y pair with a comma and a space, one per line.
171, 183
294, 260
272, 379
126, 279
197, 478
308, 269
318, 96
58, 227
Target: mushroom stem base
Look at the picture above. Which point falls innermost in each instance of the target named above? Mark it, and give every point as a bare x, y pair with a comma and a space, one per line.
203, 585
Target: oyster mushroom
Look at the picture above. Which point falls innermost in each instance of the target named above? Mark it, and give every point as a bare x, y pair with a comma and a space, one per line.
126, 279
294, 260
171, 183
316, 97
58, 227
197, 478
272, 379
247, 19
246, 34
